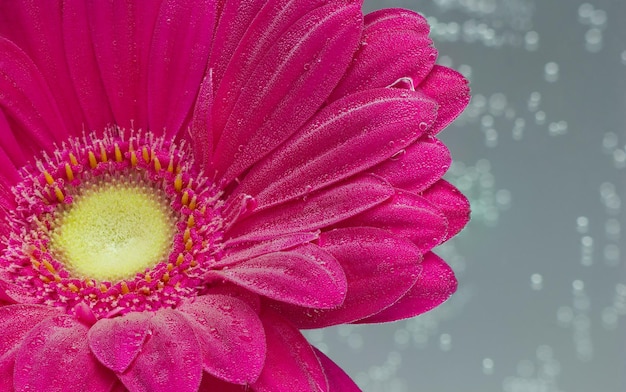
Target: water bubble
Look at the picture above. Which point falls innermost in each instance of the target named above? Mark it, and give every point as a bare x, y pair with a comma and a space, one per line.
584, 12
551, 71
445, 342
536, 281
598, 18
531, 40
488, 366
578, 285
582, 224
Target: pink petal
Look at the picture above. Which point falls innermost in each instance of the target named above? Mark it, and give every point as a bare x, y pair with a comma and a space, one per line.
118, 387
317, 210
121, 34
234, 18
83, 66
13, 154
451, 91
338, 380
212, 384
201, 129
269, 106
43, 41
394, 45
232, 290
178, 59
347, 137
15, 322
452, 203
263, 30
231, 337
54, 355
27, 100
416, 167
244, 251
116, 342
169, 361
291, 364
435, 285
305, 276
380, 268
406, 215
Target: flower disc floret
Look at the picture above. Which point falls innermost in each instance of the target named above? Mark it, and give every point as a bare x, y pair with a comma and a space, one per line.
117, 224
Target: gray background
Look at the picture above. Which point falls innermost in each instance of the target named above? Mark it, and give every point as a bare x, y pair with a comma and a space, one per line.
540, 151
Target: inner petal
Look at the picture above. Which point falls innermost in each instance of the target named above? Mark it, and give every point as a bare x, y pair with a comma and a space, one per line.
113, 230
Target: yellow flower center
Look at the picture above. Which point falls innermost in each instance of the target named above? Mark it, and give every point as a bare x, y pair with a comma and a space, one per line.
114, 229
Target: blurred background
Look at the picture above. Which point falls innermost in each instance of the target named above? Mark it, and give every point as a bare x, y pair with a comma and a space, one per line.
541, 153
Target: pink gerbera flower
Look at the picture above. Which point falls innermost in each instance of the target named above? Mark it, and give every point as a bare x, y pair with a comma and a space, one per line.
186, 184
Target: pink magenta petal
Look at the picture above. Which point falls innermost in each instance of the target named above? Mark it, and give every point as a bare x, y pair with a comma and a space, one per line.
43, 41
338, 380
234, 18
451, 91
178, 59
435, 285
213, 384
116, 342
395, 44
54, 355
380, 268
236, 252
27, 100
231, 337
201, 129
291, 364
307, 276
452, 203
232, 290
15, 322
269, 106
83, 67
347, 137
268, 25
122, 32
170, 360
407, 215
317, 210
416, 167
14, 154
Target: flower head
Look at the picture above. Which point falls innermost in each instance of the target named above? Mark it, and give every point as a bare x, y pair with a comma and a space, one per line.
184, 185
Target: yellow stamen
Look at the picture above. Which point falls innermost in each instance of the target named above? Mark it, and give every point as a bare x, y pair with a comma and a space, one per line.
166, 277
157, 164
187, 235
68, 172
48, 177
92, 160
103, 153
185, 198
124, 287
103, 288
72, 287
178, 183
180, 259
193, 202
191, 221
49, 266
59, 194
118, 153
133, 158
73, 159
146, 154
